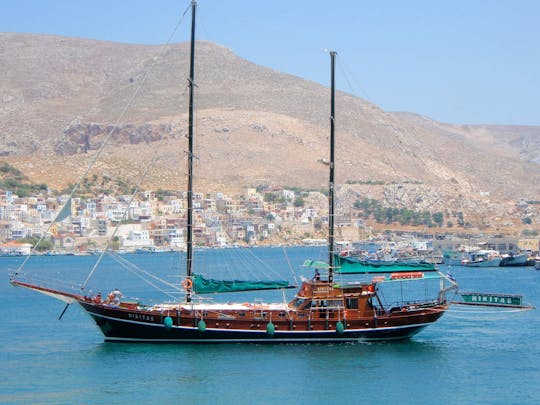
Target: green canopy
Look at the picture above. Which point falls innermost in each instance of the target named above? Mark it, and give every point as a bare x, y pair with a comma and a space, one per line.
351, 265
203, 285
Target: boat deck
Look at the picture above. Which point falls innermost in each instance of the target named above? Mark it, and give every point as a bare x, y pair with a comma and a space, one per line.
235, 306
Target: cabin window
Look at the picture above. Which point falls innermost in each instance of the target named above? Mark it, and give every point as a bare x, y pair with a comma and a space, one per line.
335, 303
301, 303
351, 303
322, 304
329, 304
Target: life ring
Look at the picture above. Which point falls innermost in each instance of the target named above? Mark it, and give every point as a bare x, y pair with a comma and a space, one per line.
187, 284
371, 288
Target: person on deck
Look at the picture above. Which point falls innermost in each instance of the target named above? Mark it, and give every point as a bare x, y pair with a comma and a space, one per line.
114, 297
97, 298
317, 276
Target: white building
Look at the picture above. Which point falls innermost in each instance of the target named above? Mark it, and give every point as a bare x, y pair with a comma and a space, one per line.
16, 249
137, 239
176, 239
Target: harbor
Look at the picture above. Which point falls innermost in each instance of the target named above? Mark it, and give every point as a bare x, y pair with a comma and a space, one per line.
384, 248
487, 347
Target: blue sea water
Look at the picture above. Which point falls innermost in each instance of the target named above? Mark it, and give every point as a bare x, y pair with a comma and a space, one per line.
467, 357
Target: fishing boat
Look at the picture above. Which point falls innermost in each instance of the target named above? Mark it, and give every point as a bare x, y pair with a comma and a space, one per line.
514, 259
454, 258
483, 258
322, 310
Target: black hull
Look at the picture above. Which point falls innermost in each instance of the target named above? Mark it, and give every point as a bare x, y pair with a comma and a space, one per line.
116, 329
515, 262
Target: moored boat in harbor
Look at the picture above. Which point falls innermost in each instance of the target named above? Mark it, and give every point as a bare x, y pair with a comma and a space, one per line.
482, 258
324, 309
511, 259
454, 258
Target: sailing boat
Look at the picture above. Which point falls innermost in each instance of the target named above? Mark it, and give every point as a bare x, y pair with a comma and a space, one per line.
322, 310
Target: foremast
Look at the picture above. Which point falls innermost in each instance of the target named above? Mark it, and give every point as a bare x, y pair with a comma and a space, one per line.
331, 261
191, 84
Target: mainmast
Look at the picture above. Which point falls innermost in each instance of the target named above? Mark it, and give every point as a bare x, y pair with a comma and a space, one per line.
331, 261
191, 84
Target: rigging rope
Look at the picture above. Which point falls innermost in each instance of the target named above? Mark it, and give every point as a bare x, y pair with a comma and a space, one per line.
98, 261
250, 263
104, 143
397, 132
290, 267
49, 281
128, 205
136, 270
400, 140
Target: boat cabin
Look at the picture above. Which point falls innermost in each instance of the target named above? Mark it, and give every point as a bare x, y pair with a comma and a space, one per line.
355, 299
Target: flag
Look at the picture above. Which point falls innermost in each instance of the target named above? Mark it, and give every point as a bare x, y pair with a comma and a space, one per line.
64, 212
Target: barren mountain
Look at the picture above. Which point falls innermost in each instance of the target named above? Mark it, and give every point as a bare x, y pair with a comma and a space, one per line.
61, 98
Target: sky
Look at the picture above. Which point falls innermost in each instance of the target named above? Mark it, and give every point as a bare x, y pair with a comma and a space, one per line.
455, 61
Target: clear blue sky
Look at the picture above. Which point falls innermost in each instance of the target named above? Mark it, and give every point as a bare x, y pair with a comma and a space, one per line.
456, 61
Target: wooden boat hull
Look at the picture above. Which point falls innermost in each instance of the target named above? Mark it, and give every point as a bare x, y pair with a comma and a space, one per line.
120, 325
320, 321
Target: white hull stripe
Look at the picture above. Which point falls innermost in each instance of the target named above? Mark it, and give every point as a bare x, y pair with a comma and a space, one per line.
155, 325
273, 340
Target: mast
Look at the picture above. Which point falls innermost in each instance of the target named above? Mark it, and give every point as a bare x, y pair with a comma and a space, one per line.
331, 261
191, 81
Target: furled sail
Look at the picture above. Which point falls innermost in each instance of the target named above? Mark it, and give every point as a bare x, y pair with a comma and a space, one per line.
203, 285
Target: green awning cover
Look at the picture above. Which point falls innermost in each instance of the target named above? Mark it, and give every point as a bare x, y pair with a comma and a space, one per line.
351, 265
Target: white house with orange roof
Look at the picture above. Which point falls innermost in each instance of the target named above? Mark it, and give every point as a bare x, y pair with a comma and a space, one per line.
15, 249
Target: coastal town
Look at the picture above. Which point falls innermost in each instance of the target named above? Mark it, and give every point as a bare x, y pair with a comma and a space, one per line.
155, 221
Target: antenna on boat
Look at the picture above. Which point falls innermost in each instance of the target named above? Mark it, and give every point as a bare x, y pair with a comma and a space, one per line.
331, 261
191, 83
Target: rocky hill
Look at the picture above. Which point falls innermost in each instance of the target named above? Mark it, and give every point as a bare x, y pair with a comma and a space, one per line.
61, 98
